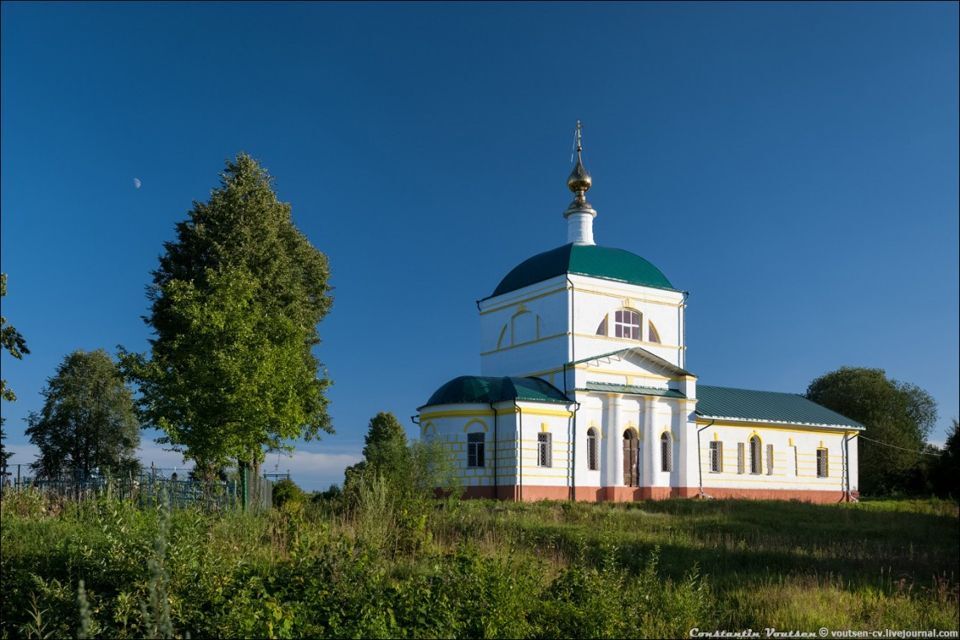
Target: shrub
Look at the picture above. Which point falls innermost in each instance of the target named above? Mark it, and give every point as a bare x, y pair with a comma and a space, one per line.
286, 490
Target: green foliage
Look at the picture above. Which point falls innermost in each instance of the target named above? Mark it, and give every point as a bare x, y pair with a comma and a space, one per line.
490, 570
944, 471
896, 413
235, 304
15, 344
88, 422
391, 492
286, 491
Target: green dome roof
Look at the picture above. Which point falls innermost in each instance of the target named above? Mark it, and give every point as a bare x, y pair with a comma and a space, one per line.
584, 260
487, 389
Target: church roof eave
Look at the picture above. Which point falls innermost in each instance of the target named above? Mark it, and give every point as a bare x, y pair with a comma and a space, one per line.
644, 354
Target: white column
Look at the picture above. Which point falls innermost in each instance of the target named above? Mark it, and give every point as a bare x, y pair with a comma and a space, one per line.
651, 442
580, 227
612, 443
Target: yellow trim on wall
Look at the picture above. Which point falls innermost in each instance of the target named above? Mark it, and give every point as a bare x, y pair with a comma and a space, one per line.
638, 343
473, 422
456, 413
769, 425
675, 305
546, 412
524, 300
524, 344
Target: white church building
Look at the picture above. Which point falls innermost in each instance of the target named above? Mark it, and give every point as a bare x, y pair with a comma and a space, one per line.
584, 394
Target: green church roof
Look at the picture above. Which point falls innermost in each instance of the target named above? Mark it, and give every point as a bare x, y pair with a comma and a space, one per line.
745, 404
487, 389
584, 260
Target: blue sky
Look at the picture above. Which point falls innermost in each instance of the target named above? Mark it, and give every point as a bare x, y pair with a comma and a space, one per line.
795, 167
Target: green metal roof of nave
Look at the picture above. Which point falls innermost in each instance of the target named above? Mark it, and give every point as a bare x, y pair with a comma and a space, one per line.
584, 260
766, 406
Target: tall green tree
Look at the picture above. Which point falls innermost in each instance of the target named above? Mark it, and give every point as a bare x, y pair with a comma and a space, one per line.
88, 421
385, 452
13, 343
235, 304
897, 414
411, 471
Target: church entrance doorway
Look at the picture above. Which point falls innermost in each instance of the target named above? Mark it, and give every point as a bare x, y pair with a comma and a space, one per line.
631, 456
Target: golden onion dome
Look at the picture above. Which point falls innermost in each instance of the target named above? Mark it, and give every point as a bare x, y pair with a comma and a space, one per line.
579, 179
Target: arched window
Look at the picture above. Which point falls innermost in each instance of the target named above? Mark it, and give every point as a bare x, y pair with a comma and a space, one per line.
666, 453
755, 459
626, 324
593, 462
654, 335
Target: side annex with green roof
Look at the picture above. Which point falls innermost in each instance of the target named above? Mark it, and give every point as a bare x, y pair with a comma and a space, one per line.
493, 389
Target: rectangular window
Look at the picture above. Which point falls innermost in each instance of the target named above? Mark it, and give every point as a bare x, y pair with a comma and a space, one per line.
716, 457
823, 463
475, 449
769, 459
741, 458
544, 450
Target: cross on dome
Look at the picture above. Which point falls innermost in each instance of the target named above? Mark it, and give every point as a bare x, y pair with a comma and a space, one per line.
580, 213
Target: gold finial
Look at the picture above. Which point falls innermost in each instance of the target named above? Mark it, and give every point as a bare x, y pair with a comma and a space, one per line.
579, 181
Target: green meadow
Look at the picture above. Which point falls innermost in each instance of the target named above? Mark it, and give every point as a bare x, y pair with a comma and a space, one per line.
440, 569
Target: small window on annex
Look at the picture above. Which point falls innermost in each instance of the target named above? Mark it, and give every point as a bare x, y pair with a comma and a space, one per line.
593, 462
823, 463
626, 324
544, 449
716, 456
666, 453
475, 449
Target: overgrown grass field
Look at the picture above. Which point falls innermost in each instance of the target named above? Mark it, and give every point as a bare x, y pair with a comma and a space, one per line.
475, 568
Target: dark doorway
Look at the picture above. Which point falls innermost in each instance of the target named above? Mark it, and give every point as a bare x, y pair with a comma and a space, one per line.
631, 451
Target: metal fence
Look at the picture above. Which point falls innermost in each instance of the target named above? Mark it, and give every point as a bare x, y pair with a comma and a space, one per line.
149, 487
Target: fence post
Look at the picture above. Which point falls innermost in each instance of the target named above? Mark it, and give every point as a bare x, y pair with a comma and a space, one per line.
243, 485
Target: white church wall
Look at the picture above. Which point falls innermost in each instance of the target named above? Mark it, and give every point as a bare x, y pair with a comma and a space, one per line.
524, 330
794, 458
553, 420
596, 299
854, 462
450, 426
589, 416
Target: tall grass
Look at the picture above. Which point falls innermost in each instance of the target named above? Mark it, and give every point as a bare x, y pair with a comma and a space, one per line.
392, 568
